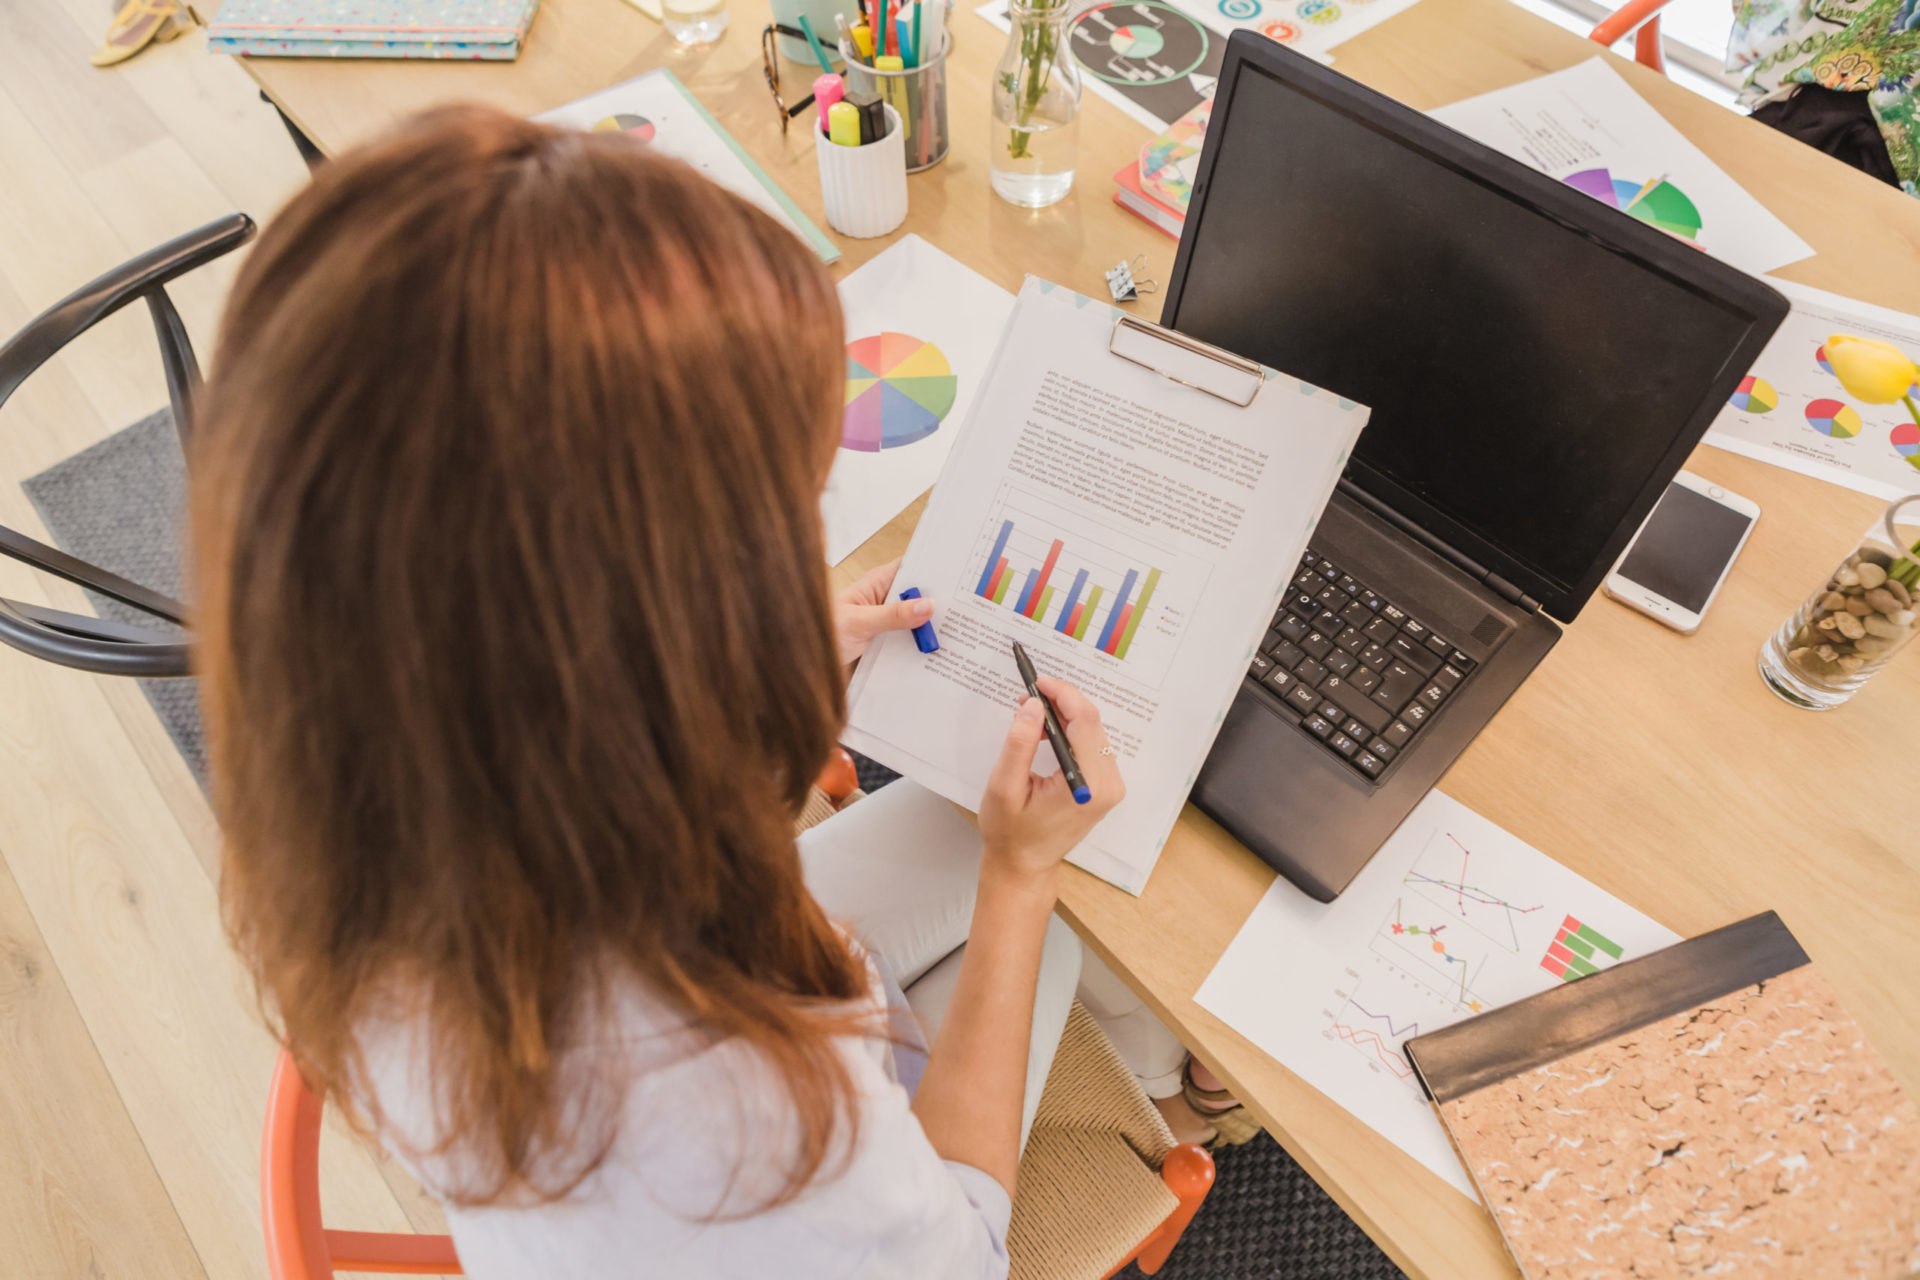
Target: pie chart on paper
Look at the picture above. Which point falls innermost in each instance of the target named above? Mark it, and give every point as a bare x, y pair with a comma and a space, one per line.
899, 390
1658, 203
1905, 439
1832, 418
639, 128
1754, 395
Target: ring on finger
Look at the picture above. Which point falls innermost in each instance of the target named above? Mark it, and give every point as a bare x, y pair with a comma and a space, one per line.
1107, 750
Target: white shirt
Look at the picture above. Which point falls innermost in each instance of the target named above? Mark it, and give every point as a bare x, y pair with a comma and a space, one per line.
705, 1128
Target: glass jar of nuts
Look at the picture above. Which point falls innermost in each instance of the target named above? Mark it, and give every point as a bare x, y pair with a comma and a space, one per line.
1852, 626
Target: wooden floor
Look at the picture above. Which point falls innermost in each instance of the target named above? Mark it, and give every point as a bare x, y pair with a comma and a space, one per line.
133, 1064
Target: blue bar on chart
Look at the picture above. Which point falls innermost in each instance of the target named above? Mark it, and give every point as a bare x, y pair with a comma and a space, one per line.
1073, 598
1026, 592
993, 561
1119, 607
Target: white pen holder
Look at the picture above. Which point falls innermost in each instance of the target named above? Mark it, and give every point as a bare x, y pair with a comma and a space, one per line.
865, 188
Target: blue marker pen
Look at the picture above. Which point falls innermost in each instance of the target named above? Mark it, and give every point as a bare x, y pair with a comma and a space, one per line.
922, 634
1056, 736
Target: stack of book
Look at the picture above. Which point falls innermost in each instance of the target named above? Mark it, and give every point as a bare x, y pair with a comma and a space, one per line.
1157, 187
465, 29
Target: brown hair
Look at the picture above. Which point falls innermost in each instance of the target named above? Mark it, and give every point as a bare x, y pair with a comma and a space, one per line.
513, 624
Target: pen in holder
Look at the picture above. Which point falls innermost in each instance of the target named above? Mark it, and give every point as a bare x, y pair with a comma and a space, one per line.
918, 93
864, 188
820, 13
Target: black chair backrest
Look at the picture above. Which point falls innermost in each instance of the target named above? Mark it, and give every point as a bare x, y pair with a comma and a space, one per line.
77, 640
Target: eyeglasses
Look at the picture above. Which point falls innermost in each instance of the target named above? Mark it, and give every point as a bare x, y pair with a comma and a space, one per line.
770, 67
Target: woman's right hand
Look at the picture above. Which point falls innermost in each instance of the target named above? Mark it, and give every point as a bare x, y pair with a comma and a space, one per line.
1028, 823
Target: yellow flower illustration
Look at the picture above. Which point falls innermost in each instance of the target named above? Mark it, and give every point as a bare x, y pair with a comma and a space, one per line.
1876, 372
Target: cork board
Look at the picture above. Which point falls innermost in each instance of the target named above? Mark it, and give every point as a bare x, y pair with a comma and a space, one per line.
1756, 1135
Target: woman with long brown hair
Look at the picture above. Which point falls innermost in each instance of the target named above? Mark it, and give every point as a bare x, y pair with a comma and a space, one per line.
519, 659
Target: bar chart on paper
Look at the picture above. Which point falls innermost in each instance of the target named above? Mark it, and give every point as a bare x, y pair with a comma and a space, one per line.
1079, 582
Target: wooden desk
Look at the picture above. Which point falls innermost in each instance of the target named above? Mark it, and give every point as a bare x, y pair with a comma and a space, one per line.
1655, 765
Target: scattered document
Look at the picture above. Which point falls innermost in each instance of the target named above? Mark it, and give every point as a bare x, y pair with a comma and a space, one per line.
1306, 26
1453, 916
657, 110
1587, 127
921, 330
1149, 59
1132, 532
1791, 410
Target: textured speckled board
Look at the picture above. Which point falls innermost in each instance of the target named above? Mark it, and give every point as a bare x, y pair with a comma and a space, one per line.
1756, 1133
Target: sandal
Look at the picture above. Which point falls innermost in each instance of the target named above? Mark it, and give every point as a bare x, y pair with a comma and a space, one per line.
1232, 1123
139, 24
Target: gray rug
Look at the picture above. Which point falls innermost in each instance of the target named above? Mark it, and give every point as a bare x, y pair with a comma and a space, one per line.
119, 505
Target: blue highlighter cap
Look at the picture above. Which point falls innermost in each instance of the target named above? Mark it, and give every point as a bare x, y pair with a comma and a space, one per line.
923, 634
1083, 795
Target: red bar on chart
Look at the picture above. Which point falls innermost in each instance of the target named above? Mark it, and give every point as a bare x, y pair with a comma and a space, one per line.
1073, 619
993, 582
1040, 583
1119, 630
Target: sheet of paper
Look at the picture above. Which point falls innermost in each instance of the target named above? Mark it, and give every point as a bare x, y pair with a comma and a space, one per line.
1307, 26
1149, 59
1133, 533
1454, 915
1587, 127
1157, 61
921, 330
1791, 410
657, 109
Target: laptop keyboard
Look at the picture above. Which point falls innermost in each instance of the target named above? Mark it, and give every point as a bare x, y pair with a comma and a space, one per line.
1361, 675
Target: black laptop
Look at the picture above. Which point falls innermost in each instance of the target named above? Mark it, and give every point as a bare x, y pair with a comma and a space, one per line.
1539, 365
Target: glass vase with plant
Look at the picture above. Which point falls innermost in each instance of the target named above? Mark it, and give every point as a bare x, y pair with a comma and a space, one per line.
1035, 145
1868, 609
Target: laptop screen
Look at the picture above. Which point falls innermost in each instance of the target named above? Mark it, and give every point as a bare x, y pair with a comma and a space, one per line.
1527, 378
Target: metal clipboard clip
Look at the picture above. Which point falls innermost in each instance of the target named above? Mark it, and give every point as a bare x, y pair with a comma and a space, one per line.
1181, 359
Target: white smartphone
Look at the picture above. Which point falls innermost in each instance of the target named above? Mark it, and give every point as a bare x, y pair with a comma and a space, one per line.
1674, 566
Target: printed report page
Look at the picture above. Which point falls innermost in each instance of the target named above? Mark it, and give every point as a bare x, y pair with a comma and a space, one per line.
1133, 533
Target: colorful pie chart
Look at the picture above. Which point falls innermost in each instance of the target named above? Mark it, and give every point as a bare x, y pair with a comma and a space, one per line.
1137, 42
1754, 395
1832, 418
1906, 440
1820, 358
1658, 203
899, 390
639, 128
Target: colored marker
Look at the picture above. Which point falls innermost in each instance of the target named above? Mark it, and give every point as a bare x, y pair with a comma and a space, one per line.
827, 90
863, 42
919, 49
843, 124
813, 42
922, 634
1056, 736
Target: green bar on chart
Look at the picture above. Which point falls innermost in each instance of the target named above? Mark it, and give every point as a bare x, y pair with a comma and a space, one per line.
1006, 580
1086, 617
1139, 612
1600, 940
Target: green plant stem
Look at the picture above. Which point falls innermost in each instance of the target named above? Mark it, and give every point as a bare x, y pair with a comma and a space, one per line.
1039, 42
1913, 459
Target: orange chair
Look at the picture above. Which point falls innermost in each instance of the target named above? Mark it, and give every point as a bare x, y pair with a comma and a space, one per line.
1059, 1177
298, 1246
1643, 18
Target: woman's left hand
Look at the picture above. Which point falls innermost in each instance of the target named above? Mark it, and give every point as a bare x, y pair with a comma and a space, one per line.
863, 611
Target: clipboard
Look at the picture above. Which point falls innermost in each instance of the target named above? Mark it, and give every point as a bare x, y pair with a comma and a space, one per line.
1188, 361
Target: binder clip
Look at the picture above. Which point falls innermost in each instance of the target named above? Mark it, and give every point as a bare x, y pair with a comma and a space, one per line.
1124, 281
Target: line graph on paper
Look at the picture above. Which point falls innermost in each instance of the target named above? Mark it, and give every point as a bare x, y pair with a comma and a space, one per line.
1435, 954
1375, 1034
1445, 876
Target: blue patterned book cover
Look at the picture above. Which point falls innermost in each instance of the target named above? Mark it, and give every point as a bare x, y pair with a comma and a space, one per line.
490, 29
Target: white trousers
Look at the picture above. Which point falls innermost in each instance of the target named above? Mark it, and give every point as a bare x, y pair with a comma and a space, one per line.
900, 869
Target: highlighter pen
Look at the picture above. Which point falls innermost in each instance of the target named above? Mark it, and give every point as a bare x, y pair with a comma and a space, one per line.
843, 124
1056, 736
827, 90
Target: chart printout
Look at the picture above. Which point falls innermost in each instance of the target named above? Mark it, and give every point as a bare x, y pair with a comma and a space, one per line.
1454, 916
1133, 533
